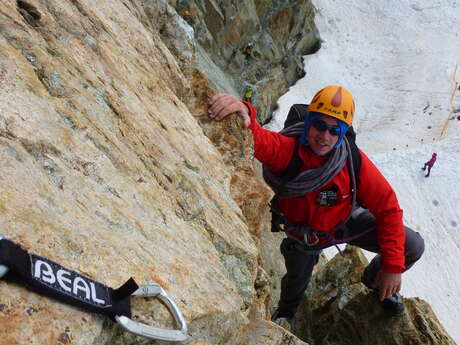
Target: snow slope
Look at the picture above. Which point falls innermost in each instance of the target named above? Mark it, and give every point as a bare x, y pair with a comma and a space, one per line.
398, 58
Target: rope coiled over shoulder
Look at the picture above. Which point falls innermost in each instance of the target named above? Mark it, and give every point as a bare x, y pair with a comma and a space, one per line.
308, 180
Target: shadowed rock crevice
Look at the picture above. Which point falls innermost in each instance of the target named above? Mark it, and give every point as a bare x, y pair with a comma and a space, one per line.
29, 12
43, 154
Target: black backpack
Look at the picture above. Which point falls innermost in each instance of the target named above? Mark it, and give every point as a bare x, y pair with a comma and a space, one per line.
296, 114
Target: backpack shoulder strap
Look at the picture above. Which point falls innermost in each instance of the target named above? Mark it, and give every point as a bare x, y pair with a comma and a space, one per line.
356, 159
297, 113
355, 155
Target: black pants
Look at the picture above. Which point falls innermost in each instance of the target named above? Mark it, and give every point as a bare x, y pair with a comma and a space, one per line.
299, 260
429, 169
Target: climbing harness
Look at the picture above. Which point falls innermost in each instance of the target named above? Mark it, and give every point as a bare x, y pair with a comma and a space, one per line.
311, 239
50, 279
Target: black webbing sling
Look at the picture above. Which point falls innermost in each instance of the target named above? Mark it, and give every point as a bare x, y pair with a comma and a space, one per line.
50, 279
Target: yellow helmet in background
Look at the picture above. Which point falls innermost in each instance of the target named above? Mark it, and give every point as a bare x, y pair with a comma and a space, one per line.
334, 101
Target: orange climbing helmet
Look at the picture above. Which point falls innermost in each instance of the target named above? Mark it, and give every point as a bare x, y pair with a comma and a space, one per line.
335, 101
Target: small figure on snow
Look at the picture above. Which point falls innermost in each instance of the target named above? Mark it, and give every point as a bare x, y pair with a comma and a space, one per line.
430, 164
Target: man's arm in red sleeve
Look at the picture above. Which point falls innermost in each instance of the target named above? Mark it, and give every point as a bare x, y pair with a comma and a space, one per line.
378, 196
271, 148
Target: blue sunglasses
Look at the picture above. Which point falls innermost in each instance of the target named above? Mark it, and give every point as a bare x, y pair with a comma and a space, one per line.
322, 126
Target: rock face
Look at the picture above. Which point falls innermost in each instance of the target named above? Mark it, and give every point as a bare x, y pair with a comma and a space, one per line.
105, 171
280, 33
111, 167
339, 309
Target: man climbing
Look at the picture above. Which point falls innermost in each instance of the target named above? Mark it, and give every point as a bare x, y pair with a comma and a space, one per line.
318, 205
247, 51
188, 17
430, 164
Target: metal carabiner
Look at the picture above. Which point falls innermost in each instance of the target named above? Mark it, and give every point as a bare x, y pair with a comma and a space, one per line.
3, 269
155, 290
307, 237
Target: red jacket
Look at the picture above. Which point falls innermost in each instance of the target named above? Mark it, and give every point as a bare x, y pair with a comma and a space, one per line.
275, 151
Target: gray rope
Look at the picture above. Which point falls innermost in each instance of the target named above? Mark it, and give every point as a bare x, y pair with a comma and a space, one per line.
308, 180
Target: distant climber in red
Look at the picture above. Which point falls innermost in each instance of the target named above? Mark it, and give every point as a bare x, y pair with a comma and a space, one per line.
430, 164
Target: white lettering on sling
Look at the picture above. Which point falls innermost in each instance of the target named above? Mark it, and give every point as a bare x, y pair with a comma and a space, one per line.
46, 275
69, 283
80, 285
64, 282
93, 294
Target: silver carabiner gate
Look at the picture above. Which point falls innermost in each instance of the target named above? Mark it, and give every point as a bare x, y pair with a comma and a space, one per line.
3, 268
155, 290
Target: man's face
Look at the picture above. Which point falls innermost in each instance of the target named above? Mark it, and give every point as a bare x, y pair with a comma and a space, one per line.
322, 142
